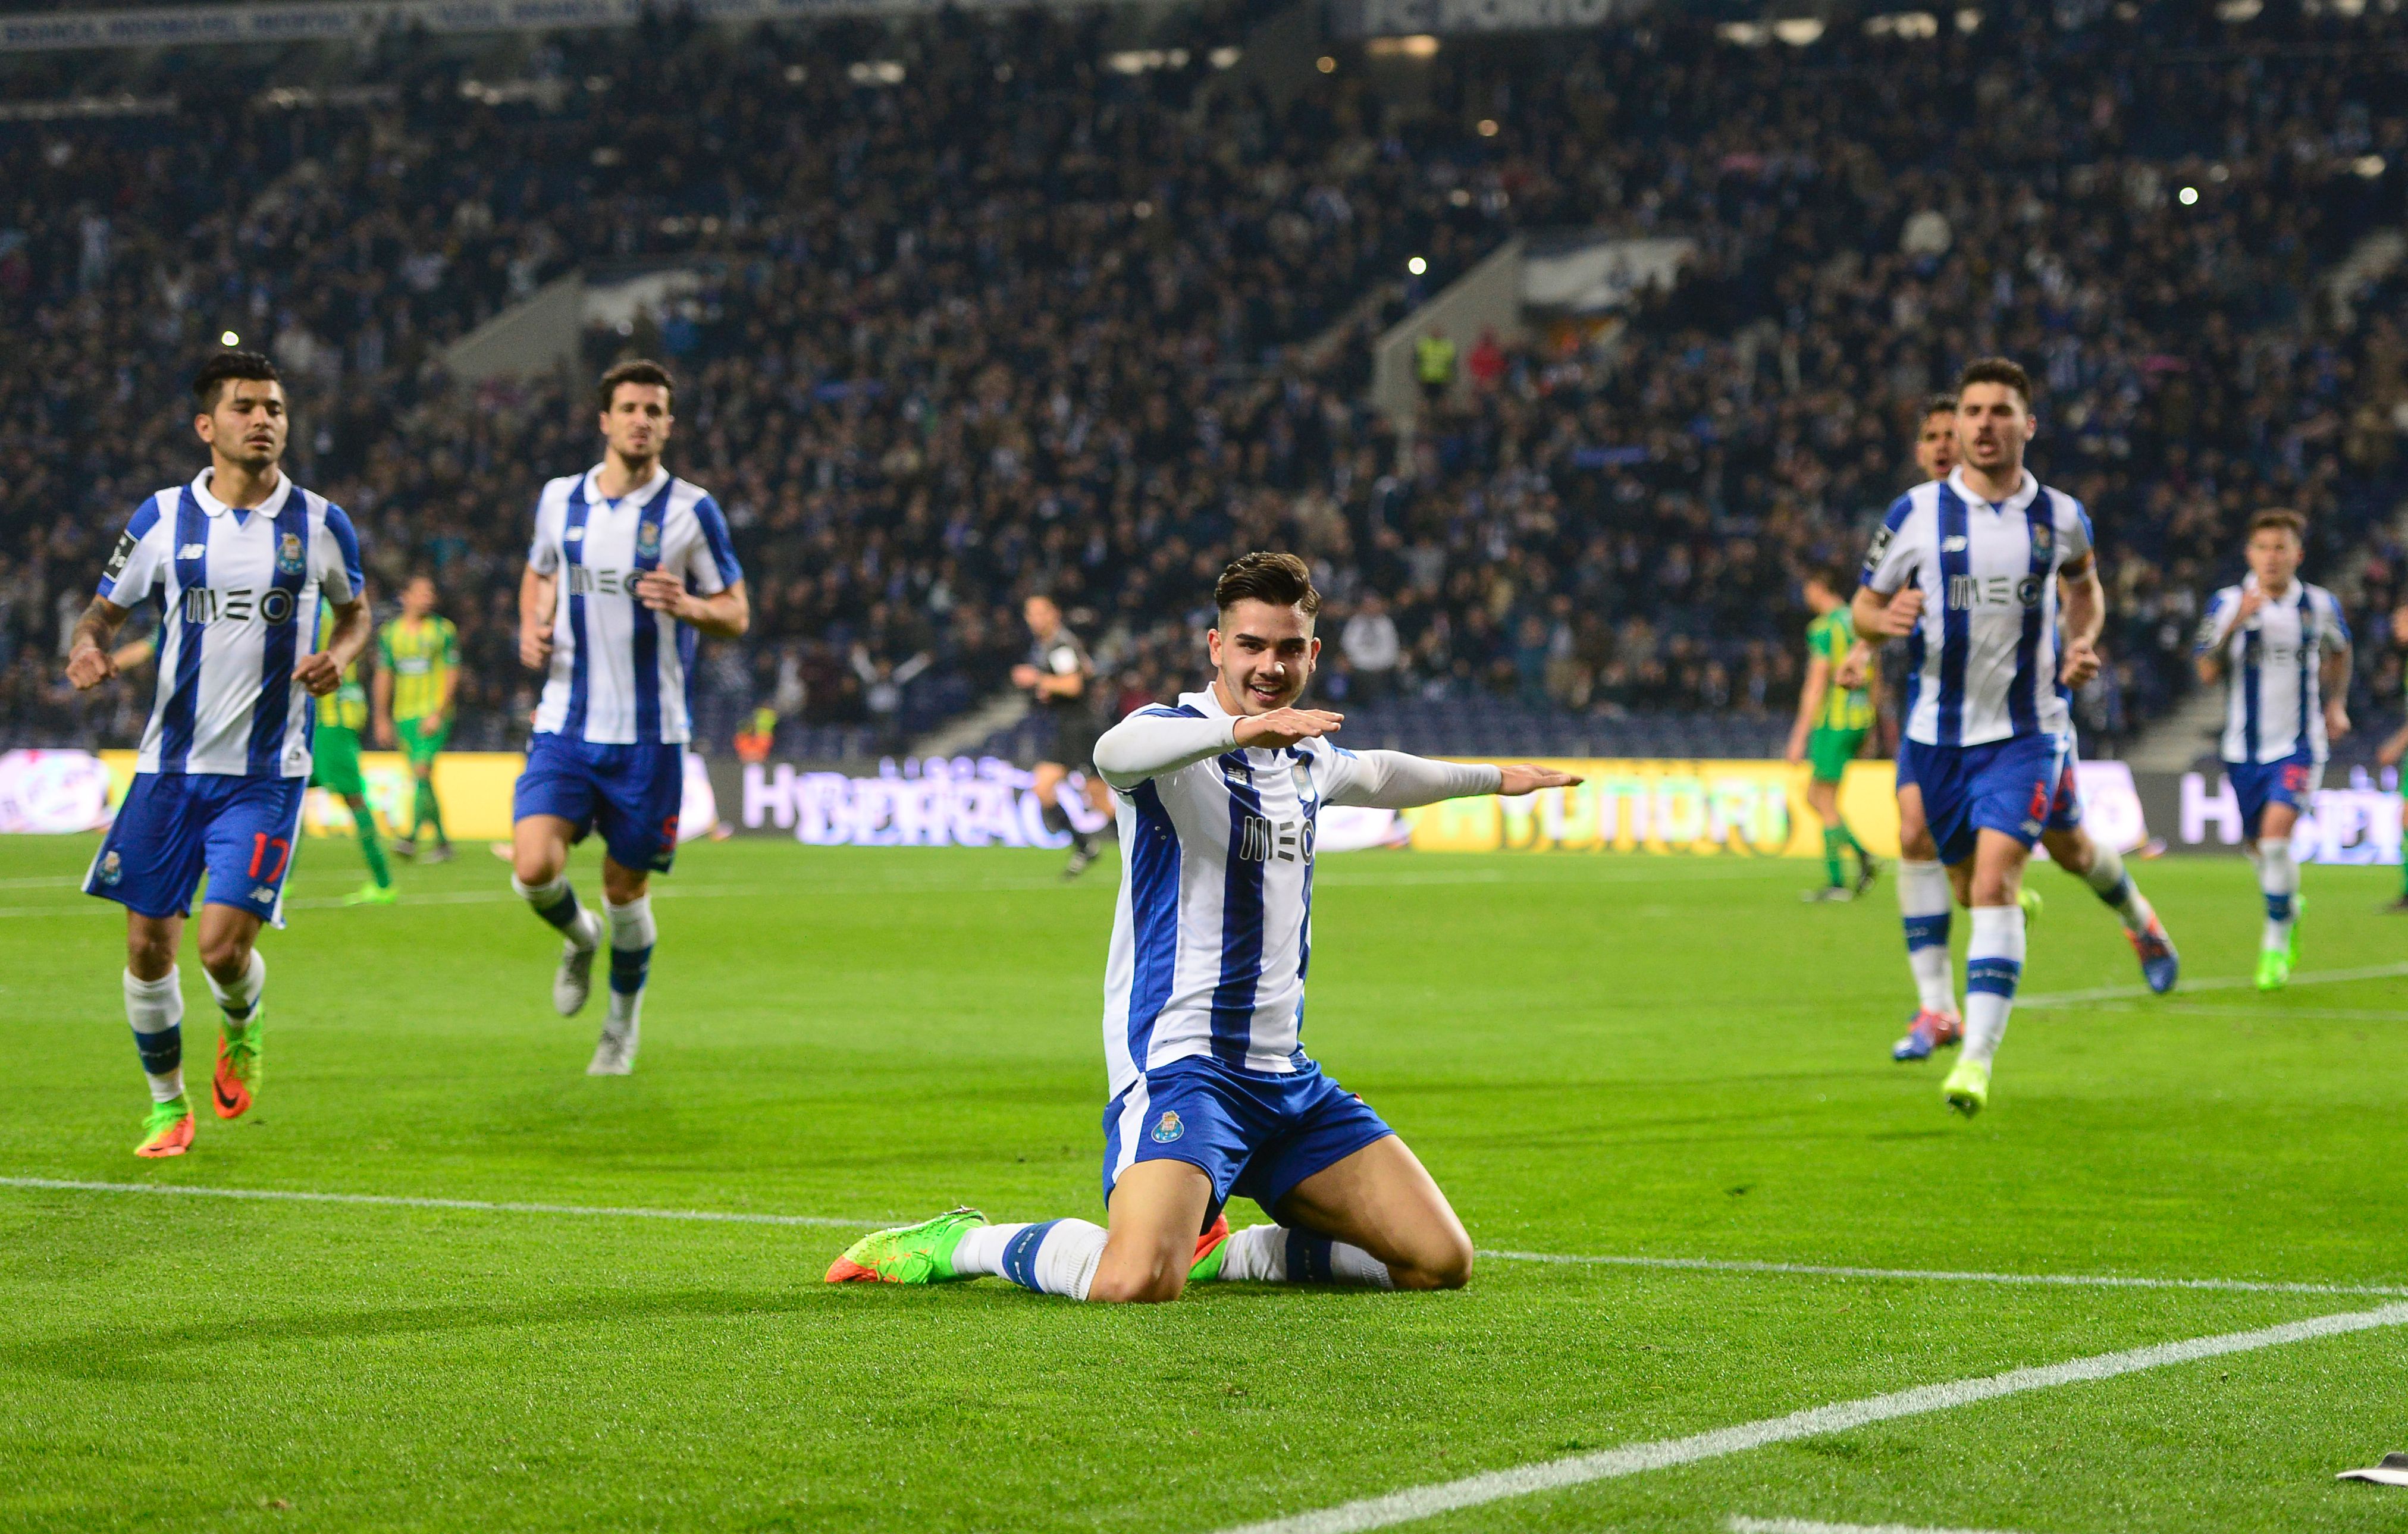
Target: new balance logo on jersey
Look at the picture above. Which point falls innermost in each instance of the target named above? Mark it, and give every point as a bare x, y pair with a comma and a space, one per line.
209, 605
1966, 592
1952, 546
585, 581
193, 551
1262, 839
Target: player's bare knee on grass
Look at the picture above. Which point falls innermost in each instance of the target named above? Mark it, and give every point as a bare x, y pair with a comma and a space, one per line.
1446, 1265
1136, 1283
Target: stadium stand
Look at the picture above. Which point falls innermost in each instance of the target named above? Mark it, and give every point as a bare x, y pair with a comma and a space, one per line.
925, 381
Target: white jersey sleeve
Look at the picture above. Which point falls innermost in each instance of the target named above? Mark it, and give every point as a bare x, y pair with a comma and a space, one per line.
543, 553
708, 561
143, 551
1157, 740
2329, 613
335, 559
1896, 557
2073, 535
1391, 779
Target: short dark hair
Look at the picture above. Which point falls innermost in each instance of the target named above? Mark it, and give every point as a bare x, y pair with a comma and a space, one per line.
1832, 575
1281, 579
1994, 370
1944, 405
633, 370
2282, 517
226, 366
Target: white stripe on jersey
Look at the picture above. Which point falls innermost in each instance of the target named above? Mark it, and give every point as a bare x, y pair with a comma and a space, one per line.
618, 668
238, 608
2272, 688
1982, 662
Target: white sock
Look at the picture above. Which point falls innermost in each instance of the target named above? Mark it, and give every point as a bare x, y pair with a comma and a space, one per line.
238, 1000
632, 936
1277, 1254
2278, 878
1057, 1257
156, 1009
2114, 886
556, 903
1923, 903
1994, 965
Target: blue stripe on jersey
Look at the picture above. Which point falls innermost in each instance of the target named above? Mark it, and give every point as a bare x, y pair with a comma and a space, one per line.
646, 626
572, 553
1166, 711
1312, 813
137, 527
339, 523
2307, 647
1153, 907
2023, 693
1241, 923
1955, 623
715, 533
273, 713
176, 724
2249, 691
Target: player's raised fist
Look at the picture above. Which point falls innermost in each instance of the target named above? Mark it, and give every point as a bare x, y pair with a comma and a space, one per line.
89, 667
2081, 662
318, 673
1526, 778
1905, 609
662, 592
1286, 726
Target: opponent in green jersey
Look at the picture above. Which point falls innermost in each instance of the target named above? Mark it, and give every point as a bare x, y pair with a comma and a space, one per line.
1832, 720
419, 664
335, 766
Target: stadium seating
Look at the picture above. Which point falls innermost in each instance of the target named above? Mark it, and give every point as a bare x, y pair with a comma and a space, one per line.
925, 381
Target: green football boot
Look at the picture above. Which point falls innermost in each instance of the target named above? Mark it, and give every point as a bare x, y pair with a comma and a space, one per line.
2273, 969
1968, 1087
372, 894
920, 1253
240, 1045
2033, 905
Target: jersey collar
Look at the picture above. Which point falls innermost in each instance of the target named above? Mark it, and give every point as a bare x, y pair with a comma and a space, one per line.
216, 507
2024, 494
639, 495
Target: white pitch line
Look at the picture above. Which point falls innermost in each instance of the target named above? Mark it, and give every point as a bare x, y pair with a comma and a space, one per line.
284, 1196
1804, 1526
1419, 1502
2209, 982
1700, 1265
2074, 1281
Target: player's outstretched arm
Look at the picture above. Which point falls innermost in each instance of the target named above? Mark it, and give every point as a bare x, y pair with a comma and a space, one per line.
1393, 779
1152, 742
88, 661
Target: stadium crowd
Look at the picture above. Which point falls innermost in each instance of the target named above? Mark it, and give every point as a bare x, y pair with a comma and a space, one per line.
1020, 321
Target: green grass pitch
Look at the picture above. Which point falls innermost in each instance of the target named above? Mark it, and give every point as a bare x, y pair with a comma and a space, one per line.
1596, 1055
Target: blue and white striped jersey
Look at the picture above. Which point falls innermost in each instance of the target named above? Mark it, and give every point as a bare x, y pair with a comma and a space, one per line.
619, 668
2273, 699
238, 596
1982, 663
1213, 930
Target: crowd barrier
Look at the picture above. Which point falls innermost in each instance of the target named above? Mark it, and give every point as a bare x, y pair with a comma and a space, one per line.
1726, 809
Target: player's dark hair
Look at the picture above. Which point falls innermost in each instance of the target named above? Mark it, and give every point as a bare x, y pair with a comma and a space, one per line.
2282, 517
1944, 405
633, 370
226, 366
1837, 579
1280, 579
1994, 370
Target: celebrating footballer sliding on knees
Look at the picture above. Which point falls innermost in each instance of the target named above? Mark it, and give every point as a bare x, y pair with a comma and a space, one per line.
1213, 1093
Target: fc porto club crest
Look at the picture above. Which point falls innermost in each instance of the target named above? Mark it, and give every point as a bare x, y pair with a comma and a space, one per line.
1301, 771
647, 539
288, 554
112, 869
1167, 1127
2043, 535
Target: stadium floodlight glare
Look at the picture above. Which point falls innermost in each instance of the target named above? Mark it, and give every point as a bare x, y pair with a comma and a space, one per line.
2368, 165
1417, 265
1224, 57
1327, 65
229, 339
1487, 127
1798, 31
2187, 195
875, 72
1969, 19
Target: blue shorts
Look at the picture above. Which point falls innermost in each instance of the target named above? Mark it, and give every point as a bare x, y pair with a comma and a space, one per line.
1252, 1133
2018, 787
173, 827
2292, 780
630, 794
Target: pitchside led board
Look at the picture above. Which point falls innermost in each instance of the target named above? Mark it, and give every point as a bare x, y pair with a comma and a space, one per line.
1742, 808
